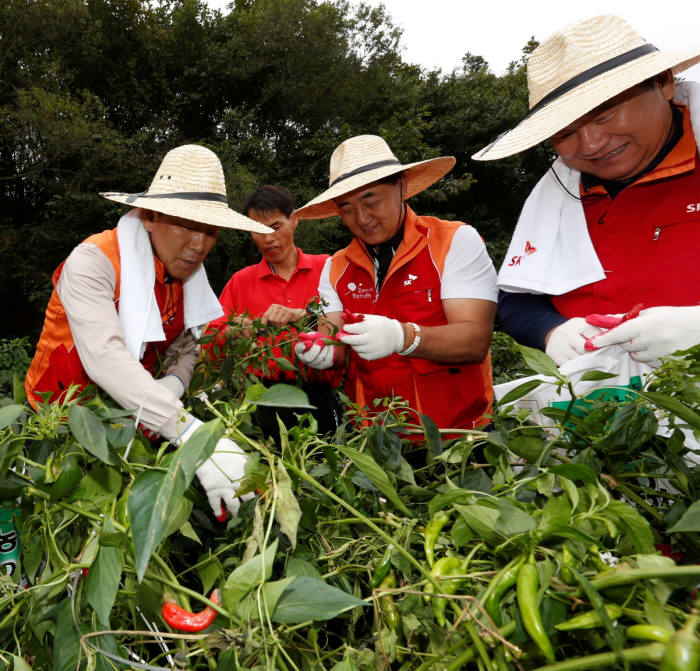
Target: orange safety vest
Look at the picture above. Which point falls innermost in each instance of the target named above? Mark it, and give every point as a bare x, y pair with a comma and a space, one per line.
56, 364
452, 395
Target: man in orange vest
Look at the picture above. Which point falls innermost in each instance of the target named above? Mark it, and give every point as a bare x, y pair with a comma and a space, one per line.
610, 234
415, 296
129, 305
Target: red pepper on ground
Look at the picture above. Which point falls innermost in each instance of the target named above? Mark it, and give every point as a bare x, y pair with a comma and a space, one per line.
184, 620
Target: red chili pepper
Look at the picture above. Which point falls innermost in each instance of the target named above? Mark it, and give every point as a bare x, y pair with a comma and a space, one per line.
223, 514
184, 620
311, 338
604, 321
609, 322
352, 317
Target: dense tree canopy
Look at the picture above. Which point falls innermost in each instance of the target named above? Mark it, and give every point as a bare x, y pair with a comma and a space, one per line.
94, 92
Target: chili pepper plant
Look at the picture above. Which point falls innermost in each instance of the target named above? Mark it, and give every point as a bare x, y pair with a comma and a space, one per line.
388, 545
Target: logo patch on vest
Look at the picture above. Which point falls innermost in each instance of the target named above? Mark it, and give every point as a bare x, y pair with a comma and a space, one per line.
410, 279
358, 291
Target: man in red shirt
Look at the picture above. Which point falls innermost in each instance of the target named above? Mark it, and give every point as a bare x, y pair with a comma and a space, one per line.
615, 222
277, 290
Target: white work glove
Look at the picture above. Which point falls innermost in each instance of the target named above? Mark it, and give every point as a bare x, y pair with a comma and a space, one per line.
172, 383
221, 474
656, 332
319, 356
374, 337
567, 340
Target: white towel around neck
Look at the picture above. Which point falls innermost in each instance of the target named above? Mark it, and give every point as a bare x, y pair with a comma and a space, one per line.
550, 251
138, 308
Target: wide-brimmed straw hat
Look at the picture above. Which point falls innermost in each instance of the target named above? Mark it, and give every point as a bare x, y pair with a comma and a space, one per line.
364, 159
190, 184
579, 68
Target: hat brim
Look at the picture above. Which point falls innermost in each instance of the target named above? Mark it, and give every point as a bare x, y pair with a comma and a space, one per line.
419, 176
202, 211
564, 110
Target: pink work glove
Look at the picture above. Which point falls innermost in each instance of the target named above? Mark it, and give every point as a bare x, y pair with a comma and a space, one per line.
656, 332
568, 340
373, 337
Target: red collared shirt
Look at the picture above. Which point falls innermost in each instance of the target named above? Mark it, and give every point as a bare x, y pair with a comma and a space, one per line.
256, 287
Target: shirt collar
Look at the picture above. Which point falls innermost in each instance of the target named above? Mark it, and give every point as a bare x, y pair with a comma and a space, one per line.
303, 263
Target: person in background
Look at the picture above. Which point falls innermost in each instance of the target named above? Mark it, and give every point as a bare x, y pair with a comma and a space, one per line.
611, 233
415, 296
277, 290
129, 305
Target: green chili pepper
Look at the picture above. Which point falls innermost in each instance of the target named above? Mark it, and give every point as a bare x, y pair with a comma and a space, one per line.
391, 612
432, 531
444, 568
590, 619
683, 649
383, 567
567, 561
498, 586
648, 632
526, 589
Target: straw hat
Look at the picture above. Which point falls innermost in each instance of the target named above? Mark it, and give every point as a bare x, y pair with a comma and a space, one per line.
576, 70
364, 159
190, 184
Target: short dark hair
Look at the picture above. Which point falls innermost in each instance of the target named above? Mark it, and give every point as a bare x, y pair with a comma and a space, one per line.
268, 198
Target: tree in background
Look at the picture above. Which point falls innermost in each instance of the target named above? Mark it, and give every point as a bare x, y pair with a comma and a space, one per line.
94, 92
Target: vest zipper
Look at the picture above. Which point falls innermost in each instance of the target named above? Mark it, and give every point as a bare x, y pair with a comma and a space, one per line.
658, 229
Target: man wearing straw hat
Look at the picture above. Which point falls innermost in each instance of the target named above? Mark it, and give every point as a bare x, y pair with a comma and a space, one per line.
414, 296
129, 304
612, 227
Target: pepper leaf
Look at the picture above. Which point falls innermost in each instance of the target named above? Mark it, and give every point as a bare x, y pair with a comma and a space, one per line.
102, 581
155, 495
306, 598
9, 414
539, 361
377, 476
151, 501
284, 396
90, 433
690, 521
248, 575
287, 511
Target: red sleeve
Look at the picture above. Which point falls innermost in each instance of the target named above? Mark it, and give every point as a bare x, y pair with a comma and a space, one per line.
216, 327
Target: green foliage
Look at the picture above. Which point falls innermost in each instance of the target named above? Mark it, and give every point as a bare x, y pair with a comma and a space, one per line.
94, 92
124, 524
